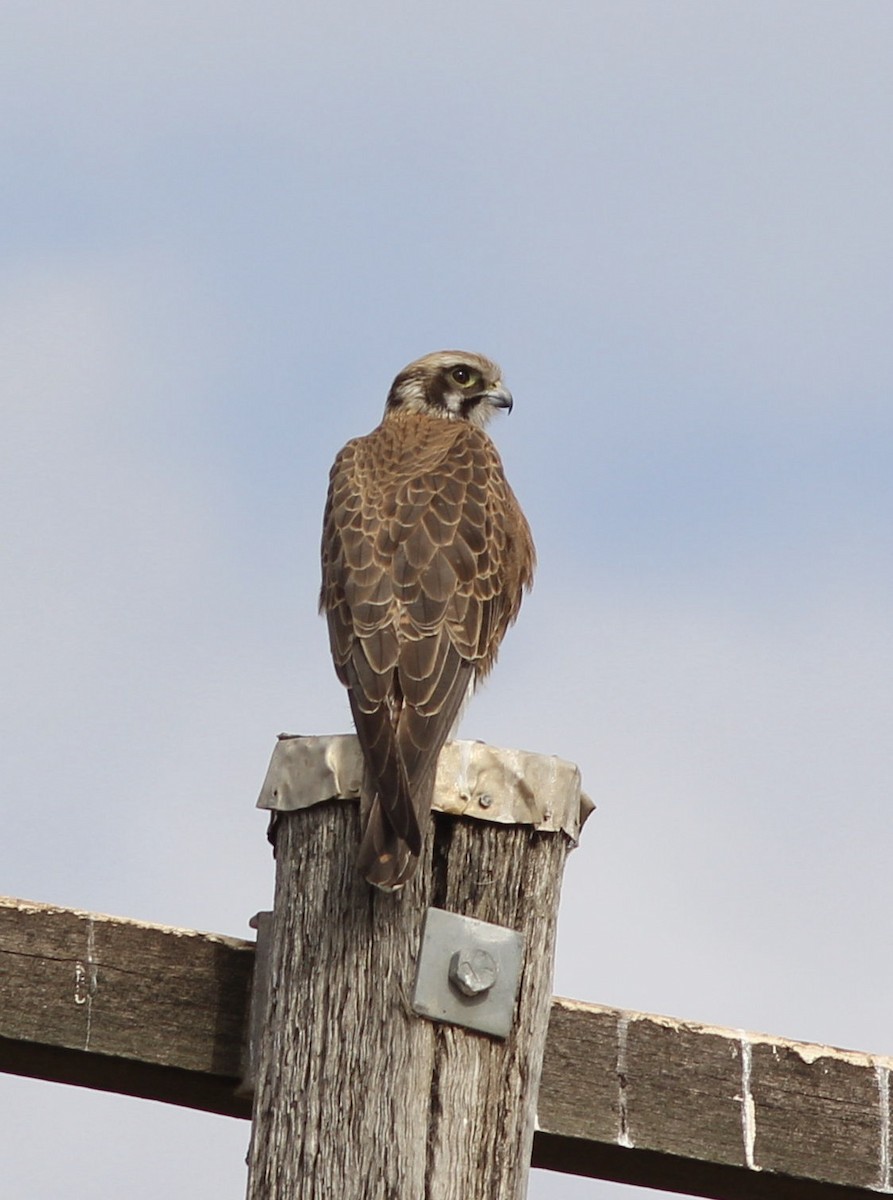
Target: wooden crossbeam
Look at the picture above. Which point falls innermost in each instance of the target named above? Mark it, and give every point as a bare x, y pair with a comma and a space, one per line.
121, 1006
713, 1112
156, 1012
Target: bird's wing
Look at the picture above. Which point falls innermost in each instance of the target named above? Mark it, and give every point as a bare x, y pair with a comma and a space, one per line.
358, 599
424, 558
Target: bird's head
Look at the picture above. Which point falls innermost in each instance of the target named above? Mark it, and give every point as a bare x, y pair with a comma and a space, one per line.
453, 384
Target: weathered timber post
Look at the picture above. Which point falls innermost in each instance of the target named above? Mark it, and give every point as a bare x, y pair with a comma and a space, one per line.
357, 1096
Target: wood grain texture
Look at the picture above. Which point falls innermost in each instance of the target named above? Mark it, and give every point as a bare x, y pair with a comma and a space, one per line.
486, 1090
121, 1005
840, 1115
711, 1112
625, 1096
357, 1096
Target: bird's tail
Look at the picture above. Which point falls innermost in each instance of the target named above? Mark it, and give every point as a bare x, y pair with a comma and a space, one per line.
386, 859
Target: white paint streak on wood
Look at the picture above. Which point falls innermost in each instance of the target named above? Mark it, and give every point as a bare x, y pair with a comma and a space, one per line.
623, 1134
748, 1109
882, 1074
86, 972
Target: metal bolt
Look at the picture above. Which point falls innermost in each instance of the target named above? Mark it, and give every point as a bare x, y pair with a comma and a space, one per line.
473, 972
485, 801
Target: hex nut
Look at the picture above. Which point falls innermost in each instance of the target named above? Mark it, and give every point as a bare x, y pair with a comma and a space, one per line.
473, 972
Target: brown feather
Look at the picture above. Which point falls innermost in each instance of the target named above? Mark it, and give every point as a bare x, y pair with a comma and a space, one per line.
425, 557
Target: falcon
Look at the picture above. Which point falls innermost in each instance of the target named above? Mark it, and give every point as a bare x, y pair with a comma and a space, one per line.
425, 557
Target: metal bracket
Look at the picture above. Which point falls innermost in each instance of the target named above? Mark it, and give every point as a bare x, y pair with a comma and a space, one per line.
468, 972
257, 1005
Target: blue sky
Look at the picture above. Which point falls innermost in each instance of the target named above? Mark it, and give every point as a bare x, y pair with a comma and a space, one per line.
223, 230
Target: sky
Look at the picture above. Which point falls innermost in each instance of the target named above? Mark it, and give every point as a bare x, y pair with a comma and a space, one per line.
223, 230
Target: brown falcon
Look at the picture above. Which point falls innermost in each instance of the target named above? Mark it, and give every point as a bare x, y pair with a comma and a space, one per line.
425, 554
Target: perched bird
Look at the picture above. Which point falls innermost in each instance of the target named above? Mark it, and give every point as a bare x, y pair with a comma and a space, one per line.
425, 555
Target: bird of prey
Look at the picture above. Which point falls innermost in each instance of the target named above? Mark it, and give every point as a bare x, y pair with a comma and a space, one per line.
425, 556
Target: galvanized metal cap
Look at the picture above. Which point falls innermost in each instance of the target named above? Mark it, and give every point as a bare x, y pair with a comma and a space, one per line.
510, 787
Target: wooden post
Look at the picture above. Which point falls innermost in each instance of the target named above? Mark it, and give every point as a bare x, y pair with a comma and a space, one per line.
357, 1096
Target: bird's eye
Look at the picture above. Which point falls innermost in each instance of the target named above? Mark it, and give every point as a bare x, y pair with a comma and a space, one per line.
463, 376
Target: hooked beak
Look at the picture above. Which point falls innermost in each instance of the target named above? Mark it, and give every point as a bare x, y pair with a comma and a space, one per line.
499, 397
